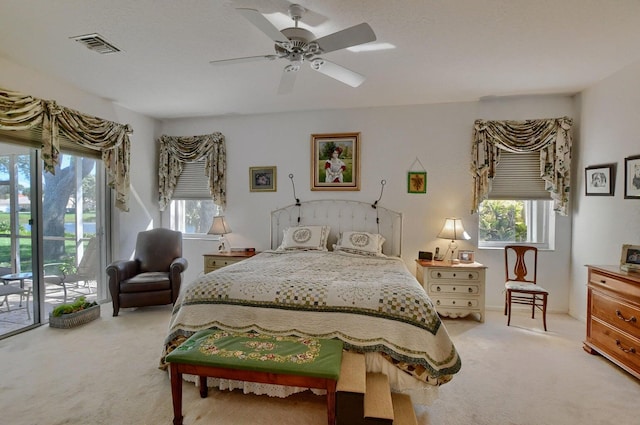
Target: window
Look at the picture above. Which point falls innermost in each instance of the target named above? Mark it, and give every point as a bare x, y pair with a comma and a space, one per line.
191, 216
503, 222
192, 209
519, 209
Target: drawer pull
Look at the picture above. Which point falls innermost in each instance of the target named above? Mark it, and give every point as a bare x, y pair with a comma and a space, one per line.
632, 319
604, 282
439, 275
470, 276
454, 275
626, 350
438, 288
454, 288
438, 302
470, 290
453, 302
469, 303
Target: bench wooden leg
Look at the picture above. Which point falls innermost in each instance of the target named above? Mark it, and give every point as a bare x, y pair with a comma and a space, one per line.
331, 401
204, 388
176, 394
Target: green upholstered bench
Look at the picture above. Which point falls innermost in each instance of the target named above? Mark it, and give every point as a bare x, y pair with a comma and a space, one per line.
281, 360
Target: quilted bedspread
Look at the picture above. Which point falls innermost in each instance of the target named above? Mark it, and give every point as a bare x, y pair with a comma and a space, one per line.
372, 304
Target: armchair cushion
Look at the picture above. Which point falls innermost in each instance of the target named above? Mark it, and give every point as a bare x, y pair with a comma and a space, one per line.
144, 282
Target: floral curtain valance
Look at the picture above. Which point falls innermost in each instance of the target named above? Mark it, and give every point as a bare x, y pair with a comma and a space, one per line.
551, 137
175, 151
23, 112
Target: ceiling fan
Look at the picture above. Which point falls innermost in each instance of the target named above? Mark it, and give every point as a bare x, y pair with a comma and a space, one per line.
298, 45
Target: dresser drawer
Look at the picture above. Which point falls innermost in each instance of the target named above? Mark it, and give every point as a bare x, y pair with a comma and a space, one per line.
443, 288
455, 302
626, 289
454, 275
616, 344
619, 314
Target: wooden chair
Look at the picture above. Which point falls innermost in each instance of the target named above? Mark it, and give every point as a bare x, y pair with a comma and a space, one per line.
520, 287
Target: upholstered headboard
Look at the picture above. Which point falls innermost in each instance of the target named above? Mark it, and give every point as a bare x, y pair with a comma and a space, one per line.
342, 216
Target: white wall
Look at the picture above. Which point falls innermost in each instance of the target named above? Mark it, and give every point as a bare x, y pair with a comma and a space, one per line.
391, 139
609, 132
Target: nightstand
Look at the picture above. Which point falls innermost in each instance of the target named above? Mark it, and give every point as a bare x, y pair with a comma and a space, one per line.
217, 261
456, 289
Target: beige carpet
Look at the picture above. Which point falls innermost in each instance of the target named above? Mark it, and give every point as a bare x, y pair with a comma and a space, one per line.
105, 373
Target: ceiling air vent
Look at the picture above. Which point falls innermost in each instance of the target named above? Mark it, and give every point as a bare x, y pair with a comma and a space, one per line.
96, 43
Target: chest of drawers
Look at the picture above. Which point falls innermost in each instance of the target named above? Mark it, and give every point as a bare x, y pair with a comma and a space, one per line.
217, 261
613, 316
456, 290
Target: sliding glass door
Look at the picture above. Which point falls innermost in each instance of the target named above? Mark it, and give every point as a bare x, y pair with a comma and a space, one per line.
65, 259
16, 239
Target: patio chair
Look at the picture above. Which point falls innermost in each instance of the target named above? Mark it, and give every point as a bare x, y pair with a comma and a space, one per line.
58, 273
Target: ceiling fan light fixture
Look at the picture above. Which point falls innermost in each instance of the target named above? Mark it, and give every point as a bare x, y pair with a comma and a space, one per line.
317, 63
293, 67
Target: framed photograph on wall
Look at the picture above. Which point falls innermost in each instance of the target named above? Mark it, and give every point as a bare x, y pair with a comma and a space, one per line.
417, 182
262, 179
600, 180
335, 161
632, 177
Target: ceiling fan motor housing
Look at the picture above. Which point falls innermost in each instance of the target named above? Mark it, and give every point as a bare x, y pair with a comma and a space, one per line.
299, 45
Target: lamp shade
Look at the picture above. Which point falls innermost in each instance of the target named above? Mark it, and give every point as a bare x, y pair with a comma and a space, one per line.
453, 230
219, 226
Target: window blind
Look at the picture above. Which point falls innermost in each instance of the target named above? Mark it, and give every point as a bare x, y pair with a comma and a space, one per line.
517, 176
192, 183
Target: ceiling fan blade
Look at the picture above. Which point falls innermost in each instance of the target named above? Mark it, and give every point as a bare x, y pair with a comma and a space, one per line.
352, 36
262, 23
338, 72
287, 81
243, 60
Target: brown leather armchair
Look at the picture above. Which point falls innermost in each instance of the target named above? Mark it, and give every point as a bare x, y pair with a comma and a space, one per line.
154, 276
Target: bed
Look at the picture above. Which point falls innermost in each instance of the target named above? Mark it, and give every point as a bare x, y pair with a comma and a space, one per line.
334, 271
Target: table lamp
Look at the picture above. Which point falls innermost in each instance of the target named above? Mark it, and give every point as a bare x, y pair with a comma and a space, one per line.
220, 227
454, 231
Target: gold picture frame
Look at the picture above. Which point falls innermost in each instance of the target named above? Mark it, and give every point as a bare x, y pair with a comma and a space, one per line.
262, 179
339, 155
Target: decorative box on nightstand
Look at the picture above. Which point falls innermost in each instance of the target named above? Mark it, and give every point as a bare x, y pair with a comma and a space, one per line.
219, 260
456, 290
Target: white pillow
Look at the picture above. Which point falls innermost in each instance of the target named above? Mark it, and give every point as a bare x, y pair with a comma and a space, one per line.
363, 243
305, 237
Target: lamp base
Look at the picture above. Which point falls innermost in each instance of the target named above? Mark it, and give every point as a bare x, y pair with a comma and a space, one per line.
224, 246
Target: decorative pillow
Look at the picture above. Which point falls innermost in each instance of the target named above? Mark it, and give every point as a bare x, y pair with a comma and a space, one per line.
305, 237
362, 243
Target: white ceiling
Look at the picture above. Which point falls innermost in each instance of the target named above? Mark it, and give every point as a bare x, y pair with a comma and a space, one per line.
445, 50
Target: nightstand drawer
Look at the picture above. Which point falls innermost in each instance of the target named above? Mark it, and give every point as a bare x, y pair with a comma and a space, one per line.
456, 302
216, 263
436, 288
454, 275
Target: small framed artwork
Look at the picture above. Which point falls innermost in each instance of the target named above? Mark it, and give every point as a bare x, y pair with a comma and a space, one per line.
466, 256
335, 161
417, 182
630, 258
600, 180
632, 177
262, 179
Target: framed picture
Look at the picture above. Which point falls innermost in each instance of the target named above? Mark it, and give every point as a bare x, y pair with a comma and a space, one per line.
466, 256
630, 258
632, 177
417, 182
335, 161
600, 180
262, 179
